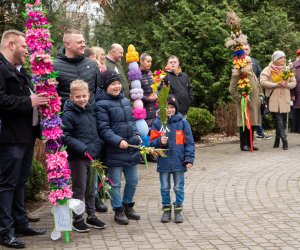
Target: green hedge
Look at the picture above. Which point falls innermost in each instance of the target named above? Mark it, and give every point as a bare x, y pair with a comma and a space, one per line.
201, 120
37, 181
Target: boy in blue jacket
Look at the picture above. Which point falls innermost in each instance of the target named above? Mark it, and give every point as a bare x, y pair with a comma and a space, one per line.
81, 138
178, 139
117, 128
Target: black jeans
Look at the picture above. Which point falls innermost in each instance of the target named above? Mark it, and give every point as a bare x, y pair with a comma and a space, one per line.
15, 165
280, 122
83, 186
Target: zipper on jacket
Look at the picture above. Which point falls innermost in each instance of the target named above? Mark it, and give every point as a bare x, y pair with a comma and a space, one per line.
171, 153
93, 149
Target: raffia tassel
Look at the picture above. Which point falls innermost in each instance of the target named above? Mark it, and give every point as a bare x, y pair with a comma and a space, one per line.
230, 42
232, 20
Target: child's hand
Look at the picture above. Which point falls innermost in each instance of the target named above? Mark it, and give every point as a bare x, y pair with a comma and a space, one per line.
123, 144
189, 165
163, 140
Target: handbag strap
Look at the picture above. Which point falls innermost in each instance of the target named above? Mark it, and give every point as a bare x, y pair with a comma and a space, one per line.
270, 93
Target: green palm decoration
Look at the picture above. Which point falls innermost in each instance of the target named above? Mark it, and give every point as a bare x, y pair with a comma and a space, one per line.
162, 105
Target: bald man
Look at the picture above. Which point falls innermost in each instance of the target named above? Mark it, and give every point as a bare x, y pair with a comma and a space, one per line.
18, 131
71, 64
113, 61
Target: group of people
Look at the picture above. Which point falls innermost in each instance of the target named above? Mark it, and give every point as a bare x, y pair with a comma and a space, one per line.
279, 90
97, 122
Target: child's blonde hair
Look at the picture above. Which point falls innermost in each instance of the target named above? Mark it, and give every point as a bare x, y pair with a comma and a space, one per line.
78, 85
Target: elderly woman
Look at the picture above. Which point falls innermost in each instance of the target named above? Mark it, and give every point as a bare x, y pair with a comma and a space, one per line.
253, 103
278, 89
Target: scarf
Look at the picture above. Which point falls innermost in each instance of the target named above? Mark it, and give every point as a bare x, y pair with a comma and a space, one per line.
276, 73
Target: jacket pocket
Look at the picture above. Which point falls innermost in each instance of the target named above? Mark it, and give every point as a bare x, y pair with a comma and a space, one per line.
180, 137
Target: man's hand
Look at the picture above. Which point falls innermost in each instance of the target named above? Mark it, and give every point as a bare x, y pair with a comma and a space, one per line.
39, 99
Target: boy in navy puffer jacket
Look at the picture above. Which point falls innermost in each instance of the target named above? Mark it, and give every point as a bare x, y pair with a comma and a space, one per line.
178, 139
117, 128
81, 138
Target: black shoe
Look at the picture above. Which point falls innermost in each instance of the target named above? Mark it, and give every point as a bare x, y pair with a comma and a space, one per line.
245, 148
100, 206
276, 142
285, 145
120, 216
10, 240
255, 148
29, 231
93, 221
178, 214
130, 213
80, 226
166, 217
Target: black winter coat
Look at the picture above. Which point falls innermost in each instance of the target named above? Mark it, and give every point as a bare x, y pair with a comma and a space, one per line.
70, 69
181, 88
115, 123
150, 106
15, 104
80, 131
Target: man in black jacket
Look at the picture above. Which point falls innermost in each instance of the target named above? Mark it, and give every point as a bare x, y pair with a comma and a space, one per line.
180, 85
72, 65
19, 125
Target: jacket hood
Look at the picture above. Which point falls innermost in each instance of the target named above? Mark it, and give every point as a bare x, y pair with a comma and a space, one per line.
61, 55
101, 94
71, 106
175, 118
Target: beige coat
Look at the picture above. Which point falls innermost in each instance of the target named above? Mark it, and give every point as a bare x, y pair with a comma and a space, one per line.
253, 102
281, 97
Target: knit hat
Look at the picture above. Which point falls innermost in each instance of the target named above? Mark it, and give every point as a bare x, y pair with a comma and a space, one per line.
172, 101
277, 54
298, 52
109, 76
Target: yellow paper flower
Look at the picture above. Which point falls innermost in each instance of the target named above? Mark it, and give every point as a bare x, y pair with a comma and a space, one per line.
132, 55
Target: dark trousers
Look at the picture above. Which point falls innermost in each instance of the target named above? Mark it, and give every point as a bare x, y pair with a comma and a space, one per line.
280, 122
83, 186
15, 165
296, 121
245, 136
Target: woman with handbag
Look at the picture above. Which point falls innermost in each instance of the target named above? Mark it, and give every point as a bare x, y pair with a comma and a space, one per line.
278, 79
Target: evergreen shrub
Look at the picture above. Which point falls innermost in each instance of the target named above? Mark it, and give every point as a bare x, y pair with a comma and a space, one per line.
201, 120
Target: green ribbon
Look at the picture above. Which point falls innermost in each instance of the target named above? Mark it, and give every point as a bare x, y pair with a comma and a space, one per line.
243, 110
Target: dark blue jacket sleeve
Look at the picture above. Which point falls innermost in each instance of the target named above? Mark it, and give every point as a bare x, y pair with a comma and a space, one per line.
189, 149
104, 128
72, 143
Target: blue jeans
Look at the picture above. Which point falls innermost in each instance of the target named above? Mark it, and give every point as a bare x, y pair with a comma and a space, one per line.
131, 178
165, 186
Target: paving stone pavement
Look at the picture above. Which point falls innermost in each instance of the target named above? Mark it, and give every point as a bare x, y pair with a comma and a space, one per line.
234, 200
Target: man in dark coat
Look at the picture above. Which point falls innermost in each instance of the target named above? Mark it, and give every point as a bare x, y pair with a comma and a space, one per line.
71, 65
180, 85
19, 125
